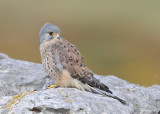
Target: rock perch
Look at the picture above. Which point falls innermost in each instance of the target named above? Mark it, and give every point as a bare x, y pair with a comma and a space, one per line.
18, 80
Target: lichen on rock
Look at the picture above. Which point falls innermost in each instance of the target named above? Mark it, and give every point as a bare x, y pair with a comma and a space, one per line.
24, 77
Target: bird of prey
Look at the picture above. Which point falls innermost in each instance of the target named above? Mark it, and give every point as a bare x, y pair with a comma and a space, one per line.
65, 65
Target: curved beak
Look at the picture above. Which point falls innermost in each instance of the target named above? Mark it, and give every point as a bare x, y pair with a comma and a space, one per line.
58, 36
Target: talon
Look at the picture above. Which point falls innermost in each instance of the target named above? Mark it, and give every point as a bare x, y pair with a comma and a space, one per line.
52, 86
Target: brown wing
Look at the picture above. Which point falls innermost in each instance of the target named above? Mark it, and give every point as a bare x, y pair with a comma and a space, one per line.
72, 61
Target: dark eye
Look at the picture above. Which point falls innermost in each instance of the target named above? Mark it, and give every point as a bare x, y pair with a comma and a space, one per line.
50, 33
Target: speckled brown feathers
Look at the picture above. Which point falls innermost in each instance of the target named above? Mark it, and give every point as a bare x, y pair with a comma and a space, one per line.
72, 61
65, 65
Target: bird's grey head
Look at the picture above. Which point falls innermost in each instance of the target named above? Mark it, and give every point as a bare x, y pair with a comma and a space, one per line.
47, 32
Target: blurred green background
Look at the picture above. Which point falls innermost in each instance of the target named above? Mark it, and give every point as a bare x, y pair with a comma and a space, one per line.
119, 38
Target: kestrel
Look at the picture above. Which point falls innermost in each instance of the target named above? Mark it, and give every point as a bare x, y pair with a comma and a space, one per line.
65, 65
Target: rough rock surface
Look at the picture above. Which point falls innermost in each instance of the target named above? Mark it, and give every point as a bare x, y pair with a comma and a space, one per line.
3, 56
18, 76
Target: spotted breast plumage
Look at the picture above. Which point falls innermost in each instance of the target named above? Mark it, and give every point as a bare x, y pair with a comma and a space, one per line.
65, 65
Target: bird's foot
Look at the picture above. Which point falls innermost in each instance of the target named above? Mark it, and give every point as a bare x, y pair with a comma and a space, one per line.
52, 86
49, 85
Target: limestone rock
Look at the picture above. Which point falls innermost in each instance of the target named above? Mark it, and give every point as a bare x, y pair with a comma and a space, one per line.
18, 76
3, 56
